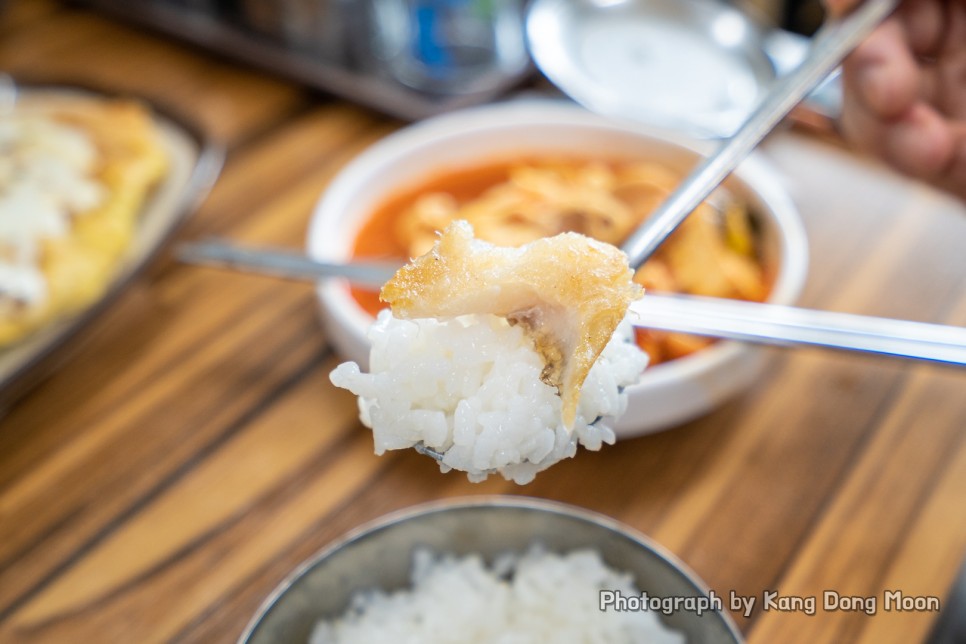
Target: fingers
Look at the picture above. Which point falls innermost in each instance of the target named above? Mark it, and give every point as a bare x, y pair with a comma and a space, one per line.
954, 44
924, 22
902, 91
951, 97
886, 92
954, 179
920, 143
882, 73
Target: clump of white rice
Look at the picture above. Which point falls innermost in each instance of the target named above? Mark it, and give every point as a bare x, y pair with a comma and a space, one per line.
536, 597
470, 388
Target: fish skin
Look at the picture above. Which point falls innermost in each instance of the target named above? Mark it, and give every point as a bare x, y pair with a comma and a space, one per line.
568, 291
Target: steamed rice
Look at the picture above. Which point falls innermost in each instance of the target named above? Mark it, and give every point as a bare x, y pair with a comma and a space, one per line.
470, 387
536, 597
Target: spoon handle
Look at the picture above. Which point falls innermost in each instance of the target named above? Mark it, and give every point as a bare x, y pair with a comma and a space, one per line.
830, 45
713, 317
791, 326
283, 264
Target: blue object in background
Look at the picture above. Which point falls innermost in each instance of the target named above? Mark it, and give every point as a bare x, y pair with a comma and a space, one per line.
450, 46
430, 46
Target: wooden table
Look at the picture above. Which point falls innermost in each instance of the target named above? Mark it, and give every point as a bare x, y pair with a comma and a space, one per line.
192, 451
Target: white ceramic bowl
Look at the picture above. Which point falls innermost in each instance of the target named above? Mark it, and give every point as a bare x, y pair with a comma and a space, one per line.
667, 394
379, 556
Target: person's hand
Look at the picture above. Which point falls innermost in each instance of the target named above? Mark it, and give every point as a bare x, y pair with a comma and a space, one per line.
905, 91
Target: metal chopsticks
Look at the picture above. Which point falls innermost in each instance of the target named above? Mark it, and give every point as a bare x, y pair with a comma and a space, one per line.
713, 317
830, 45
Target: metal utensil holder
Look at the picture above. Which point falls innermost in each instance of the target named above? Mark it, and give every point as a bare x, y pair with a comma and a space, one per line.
321, 43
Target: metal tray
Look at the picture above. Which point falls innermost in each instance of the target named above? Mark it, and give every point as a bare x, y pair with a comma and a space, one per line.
365, 82
194, 165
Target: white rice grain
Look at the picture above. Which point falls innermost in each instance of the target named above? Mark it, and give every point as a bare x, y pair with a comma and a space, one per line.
521, 599
470, 388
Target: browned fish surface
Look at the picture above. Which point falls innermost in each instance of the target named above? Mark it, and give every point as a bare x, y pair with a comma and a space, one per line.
569, 291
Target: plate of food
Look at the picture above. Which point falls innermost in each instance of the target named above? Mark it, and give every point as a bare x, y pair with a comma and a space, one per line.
517, 174
91, 185
493, 569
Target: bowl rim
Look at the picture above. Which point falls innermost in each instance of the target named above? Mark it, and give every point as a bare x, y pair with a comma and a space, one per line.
460, 503
550, 22
754, 173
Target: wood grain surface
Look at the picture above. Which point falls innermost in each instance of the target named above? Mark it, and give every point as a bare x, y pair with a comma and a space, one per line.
191, 452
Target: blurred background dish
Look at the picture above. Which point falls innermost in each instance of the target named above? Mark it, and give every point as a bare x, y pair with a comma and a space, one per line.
379, 555
401, 57
406, 57
669, 393
192, 164
449, 46
316, 27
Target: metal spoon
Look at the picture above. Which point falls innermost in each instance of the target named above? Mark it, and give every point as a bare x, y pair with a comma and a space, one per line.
712, 317
831, 44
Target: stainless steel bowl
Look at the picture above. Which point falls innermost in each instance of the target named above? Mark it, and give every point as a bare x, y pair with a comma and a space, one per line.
697, 66
379, 555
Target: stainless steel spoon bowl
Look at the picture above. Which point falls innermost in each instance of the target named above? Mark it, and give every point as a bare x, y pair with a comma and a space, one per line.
379, 555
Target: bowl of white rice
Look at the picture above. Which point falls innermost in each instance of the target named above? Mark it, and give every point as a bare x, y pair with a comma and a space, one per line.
665, 395
492, 569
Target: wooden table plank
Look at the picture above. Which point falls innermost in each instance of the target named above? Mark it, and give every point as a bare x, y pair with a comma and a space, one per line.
151, 305
193, 452
251, 466
926, 561
870, 518
188, 386
928, 558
